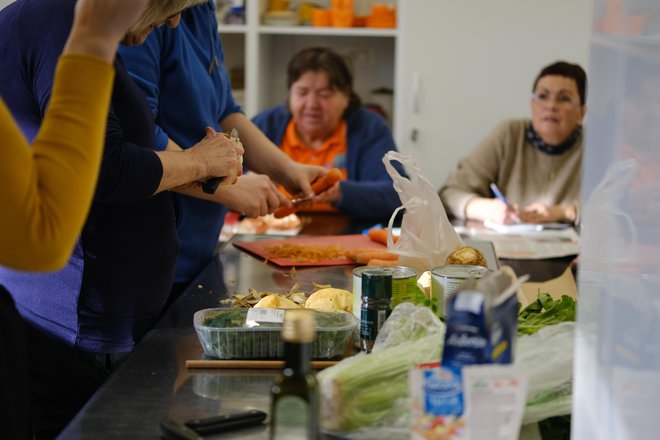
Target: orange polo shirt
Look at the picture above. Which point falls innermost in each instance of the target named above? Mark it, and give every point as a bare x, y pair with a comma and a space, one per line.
331, 154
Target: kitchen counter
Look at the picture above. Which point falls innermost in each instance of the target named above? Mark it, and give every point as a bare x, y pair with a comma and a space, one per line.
154, 382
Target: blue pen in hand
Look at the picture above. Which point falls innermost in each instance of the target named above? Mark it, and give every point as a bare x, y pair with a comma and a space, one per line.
500, 196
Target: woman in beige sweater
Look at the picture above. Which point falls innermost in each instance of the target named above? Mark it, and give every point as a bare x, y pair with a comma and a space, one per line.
535, 163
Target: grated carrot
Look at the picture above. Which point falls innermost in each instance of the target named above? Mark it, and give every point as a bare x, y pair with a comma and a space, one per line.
306, 252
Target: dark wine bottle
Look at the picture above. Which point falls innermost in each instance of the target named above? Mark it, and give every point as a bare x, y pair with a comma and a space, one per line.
295, 392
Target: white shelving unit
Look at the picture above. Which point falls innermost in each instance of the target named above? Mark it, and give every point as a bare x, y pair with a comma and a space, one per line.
456, 71
263, 52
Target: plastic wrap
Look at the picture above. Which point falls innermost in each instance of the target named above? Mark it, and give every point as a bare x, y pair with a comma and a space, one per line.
372, 390
547, 355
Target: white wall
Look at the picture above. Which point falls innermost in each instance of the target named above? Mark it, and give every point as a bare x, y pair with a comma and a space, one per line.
4, 3
476, 61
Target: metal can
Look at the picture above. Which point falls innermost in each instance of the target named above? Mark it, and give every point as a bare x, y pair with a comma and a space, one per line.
404, 284
448, 279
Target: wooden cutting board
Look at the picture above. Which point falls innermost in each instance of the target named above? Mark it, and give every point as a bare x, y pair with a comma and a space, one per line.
260, 248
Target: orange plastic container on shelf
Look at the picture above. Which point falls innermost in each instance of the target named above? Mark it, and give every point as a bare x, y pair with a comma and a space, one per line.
342, 4
382, 16
341, 17
320, 17
278, 5
359, 21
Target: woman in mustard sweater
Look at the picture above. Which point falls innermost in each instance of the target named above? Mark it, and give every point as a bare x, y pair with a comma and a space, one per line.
47, 188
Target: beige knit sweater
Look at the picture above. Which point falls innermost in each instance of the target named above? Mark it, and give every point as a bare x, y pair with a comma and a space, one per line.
524, 174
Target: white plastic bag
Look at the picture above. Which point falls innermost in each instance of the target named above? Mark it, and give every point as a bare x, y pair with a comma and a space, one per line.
548, 357
427, 237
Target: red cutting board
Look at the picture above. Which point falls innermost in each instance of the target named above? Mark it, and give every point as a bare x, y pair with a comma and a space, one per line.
260, 248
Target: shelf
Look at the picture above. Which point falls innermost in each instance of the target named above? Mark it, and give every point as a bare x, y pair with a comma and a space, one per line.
327, 31
232, 28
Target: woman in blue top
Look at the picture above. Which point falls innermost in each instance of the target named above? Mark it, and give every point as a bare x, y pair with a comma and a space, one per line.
182, 74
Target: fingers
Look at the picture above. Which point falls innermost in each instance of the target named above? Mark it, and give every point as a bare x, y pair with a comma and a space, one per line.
220, 156
210, 132
301, 177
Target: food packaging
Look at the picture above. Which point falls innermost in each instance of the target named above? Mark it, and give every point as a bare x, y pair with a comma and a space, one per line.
227, 334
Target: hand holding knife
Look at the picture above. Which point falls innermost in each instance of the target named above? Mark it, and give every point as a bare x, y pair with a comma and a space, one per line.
211, 185
321, 184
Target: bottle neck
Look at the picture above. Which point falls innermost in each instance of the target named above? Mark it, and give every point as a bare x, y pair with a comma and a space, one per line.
297, 356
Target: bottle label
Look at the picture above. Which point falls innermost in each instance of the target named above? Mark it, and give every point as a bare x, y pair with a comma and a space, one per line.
291, 419
371, 320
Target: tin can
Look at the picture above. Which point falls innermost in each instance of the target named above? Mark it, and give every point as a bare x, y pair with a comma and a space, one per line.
404, 284
448, 279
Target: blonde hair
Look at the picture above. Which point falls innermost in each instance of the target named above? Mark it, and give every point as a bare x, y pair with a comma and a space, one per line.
157, 9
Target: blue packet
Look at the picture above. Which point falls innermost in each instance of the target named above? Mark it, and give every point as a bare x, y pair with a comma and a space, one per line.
482, 322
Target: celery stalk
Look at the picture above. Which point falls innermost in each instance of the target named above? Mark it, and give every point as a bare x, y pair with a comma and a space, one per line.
362, 392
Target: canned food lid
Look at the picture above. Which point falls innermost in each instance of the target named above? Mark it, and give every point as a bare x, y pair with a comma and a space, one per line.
397, 272
377, 285
460, 271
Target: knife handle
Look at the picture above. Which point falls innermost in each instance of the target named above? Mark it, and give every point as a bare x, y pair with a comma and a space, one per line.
226, 422
172, 430
211, 185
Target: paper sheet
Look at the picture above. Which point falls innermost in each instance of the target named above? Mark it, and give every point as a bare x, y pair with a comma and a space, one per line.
532, 245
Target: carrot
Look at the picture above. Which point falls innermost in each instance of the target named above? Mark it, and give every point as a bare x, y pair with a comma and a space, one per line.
283, 212
321, 184
377, 262
365, 257
380, 236
351, 253
326, 181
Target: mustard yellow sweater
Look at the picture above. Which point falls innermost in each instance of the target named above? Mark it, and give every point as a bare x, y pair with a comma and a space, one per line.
46, 190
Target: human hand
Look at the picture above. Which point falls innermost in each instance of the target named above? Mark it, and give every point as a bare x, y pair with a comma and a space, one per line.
493, 210
99, 25
219, 156
330, 195
297, 178
542, 213
253, 195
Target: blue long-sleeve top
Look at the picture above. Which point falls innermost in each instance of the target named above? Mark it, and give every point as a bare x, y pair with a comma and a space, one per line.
181, 73
119, 276
367, 193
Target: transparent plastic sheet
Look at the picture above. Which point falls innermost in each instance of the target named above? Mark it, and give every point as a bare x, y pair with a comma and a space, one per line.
407, 323
366, 396
548, 357
427, 236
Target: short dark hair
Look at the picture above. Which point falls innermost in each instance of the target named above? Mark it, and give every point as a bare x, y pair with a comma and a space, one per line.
325, 59
569, 70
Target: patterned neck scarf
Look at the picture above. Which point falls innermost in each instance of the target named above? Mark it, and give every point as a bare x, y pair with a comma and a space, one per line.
533, 137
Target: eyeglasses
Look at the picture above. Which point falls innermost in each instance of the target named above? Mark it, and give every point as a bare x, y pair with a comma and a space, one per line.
561, 99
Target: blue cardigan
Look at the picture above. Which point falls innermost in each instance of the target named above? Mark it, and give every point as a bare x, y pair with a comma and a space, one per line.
368, 192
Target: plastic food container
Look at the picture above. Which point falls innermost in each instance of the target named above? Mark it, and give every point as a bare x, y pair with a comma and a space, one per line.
224, 334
